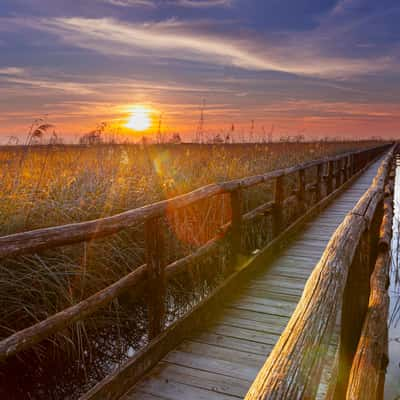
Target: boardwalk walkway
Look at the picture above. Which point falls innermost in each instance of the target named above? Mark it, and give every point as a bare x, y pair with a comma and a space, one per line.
221, 362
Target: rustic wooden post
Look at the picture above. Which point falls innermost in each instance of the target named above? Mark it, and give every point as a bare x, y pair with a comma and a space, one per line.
354, 308
236, 229
301, 190
277, 215
338, 173
329, 177
155, 260
350, 166
318, 188
345, 169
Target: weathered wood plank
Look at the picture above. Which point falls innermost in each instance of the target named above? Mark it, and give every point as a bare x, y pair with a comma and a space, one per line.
212, 364
201, 379
221, 353
173, 391
233, 343
243, 333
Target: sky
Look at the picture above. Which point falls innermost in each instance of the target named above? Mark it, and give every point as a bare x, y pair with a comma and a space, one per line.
317, 68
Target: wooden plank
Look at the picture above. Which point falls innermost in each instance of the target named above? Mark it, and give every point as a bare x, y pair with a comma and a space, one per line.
243, 333
221, 353
285, 288
142, 396
265, 305
212, 364
293, 282
254, 325
279, 273
177, 391
233, 343
202, 379
282, 295
256, 316
290, 262
301, 258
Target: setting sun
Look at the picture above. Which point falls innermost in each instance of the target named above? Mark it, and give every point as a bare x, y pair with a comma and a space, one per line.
140, 119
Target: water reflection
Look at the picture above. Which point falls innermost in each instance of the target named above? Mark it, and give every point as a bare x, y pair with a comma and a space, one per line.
392, 384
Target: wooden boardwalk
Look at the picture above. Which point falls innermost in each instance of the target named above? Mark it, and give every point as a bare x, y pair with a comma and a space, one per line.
221, 362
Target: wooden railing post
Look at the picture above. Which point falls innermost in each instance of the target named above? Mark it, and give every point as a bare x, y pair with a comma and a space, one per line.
354, 308
236, 228
338, 173
318, 189
349, 166
329, 177
277, 215
345, 169
156, 276
301, 190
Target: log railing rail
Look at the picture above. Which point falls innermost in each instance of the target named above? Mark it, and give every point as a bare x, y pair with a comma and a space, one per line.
368, 369
155, 272
338, 284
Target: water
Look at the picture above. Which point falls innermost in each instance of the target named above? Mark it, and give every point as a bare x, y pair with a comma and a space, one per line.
392, 383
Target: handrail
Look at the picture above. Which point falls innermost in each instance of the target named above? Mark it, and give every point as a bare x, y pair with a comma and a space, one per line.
154, 271
368, 370
31, 241
292, 367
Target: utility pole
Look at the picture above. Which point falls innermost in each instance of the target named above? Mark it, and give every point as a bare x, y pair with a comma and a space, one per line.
159, 137
252, 131
200, 127
271, 132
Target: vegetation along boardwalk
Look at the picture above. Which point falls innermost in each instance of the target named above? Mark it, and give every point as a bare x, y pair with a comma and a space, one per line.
221, 361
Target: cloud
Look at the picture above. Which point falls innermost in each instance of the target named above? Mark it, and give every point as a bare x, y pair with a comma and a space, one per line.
303, 54
131, 3
11, 71
202, 3
179, 3
98, 85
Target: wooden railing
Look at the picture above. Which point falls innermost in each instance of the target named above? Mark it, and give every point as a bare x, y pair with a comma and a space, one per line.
339, 285
330, 174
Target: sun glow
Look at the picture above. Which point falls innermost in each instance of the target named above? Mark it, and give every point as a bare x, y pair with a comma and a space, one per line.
140, 119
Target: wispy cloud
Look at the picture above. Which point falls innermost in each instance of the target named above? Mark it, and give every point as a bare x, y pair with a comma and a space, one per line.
179, 3
343, 6
202, 3
131, 3
174, 39
11, 71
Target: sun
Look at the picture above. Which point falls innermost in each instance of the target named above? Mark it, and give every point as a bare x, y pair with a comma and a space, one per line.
140, 119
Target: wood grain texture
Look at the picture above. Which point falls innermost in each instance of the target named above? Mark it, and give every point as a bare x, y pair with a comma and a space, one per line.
369, 364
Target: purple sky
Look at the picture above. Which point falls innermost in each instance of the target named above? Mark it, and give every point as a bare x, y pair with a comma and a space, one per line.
312, 67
